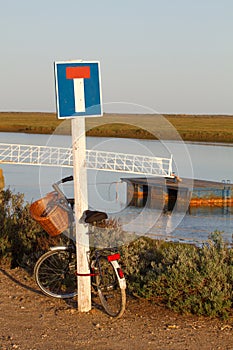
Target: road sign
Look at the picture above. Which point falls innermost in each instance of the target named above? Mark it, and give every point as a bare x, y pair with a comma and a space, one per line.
78, 89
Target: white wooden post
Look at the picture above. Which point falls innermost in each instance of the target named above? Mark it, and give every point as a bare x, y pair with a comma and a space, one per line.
81, 204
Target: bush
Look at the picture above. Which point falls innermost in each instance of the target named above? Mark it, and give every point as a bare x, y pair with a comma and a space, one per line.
184, 277
21, 239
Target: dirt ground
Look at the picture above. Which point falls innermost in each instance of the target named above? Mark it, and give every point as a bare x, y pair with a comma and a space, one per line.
31, 321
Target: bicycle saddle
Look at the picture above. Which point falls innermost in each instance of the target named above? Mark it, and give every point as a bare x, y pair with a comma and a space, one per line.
91, 216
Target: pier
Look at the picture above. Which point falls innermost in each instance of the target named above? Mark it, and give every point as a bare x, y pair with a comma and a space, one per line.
96, 160
166, 193
2, 182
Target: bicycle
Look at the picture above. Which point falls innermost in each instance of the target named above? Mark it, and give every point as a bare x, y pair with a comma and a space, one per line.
55, 271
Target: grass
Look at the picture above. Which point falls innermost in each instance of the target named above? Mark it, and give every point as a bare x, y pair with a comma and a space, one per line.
204, 128
41, 123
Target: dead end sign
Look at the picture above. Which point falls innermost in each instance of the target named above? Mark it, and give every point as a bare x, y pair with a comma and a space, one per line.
78, 89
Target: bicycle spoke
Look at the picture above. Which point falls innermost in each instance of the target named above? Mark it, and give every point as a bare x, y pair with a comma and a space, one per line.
111, 295
55, 274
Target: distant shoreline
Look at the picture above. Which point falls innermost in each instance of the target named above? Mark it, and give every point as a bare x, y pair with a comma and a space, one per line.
193, 128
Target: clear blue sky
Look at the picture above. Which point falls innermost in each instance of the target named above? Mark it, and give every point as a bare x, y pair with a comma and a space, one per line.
173, 56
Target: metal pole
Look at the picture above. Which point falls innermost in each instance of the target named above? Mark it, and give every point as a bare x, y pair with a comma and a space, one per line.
81, 204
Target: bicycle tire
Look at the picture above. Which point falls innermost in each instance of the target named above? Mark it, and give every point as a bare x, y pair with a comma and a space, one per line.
55, 274
111, 294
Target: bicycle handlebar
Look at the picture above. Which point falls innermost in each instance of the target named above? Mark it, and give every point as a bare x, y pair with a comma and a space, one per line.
56, 184
66, 179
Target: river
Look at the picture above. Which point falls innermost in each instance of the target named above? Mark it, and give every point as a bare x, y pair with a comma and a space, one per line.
107, 192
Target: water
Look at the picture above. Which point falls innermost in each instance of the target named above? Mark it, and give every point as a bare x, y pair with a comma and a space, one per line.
107, 192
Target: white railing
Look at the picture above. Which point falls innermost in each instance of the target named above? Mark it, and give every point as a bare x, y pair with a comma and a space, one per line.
99, 160
35, 155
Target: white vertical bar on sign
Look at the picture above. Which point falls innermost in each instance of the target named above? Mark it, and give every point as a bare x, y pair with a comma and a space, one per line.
81, 204
79, 98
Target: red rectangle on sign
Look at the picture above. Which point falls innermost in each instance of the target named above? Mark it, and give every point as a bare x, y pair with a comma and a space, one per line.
78, 72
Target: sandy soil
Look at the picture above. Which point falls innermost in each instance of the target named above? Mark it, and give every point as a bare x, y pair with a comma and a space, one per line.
31, 321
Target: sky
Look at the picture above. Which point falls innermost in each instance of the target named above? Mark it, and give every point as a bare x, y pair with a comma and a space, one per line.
167, 56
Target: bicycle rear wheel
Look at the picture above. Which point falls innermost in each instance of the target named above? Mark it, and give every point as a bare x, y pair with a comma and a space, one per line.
111, 293
55, 273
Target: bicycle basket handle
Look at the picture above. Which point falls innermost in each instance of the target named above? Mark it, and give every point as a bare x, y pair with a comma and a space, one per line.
66, 179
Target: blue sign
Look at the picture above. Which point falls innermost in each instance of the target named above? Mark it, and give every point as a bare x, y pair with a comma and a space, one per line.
78, 89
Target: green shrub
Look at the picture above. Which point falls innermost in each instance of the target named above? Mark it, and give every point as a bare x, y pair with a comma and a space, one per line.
21, 239
184, 277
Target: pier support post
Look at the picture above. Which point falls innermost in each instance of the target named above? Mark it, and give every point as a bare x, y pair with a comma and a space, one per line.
2, 182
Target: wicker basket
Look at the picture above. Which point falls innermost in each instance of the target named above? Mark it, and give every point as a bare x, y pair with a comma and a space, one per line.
49, 215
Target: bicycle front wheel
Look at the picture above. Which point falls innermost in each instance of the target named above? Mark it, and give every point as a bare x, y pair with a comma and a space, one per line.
112, 294
55, 274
